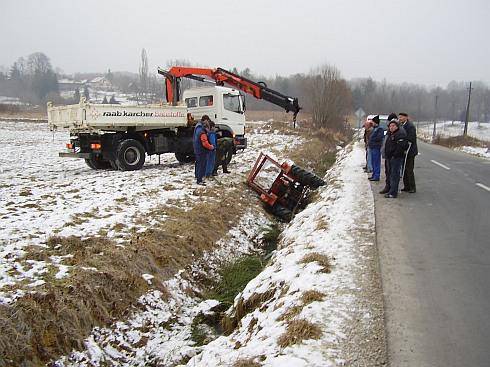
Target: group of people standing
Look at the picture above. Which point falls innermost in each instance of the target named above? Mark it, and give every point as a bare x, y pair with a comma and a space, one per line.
210, 152
398, 148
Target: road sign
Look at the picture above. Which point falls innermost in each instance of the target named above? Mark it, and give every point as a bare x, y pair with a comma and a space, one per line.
360, 113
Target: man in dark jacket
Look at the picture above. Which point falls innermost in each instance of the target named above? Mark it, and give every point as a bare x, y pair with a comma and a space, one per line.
409, 177
386, 189
201, 147
395, 148
224, 150
375, 142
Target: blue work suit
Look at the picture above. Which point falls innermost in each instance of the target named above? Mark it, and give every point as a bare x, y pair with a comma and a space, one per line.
200, 152
375, 142
211, 156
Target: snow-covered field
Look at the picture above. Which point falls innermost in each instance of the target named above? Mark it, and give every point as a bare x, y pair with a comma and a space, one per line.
43, 195
480, 131
340, 227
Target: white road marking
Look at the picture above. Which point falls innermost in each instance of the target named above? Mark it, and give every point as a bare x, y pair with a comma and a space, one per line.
440, 164
483, 186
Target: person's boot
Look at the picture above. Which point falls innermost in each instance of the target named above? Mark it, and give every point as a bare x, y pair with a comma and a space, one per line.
385, 190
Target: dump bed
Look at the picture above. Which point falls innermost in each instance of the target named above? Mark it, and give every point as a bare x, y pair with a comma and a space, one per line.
114, 117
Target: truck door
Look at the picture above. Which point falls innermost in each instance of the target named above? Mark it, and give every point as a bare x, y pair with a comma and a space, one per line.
232, 112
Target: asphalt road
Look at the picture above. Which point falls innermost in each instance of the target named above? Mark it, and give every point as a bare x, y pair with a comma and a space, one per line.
434, 249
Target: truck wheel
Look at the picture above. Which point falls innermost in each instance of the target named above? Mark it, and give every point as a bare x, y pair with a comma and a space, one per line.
306, 178
130, 155
184, 158
97, 163
281, 213
89, 163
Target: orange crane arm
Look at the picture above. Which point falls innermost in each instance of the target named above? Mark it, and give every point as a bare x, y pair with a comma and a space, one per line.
221, 76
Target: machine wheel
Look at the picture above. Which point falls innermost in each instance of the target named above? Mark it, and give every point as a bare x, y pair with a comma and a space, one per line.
130, 155
97, 163
307, 178
184, 158
282, 213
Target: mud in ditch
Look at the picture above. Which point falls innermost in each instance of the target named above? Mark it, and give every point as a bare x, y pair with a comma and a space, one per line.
106, 280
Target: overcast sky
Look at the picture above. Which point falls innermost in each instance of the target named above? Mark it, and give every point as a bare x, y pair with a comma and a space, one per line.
419, 41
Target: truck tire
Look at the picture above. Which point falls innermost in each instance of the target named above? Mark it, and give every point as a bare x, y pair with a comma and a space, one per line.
306, 178
97, 163
130, 155
184, 157
282, 213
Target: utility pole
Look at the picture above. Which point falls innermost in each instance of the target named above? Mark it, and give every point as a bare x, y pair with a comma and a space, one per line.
435, 119
465, 131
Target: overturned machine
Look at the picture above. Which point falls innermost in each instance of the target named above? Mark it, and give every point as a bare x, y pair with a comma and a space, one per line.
283, 187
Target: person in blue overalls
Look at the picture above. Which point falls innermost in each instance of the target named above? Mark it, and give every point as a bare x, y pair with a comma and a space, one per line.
211, 156
201, 148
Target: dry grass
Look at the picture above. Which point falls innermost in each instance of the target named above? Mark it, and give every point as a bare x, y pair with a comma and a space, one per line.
297, 331
291, 313
242, 308
318, 155
25, 192
321, 259
57, 318
312, 296
246, 363
459, 141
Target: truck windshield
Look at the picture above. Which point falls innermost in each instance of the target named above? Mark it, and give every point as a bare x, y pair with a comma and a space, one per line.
231, 102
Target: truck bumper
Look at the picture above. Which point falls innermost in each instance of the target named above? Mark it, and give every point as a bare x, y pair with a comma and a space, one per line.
240, 142
75, 155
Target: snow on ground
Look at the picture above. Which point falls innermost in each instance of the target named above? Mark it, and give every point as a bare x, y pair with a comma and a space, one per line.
478, 151
43, 195
12, 101
337, 226
340, 224
480, 131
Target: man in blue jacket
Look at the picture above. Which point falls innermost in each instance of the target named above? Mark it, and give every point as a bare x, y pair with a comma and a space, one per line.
375, 142
201, 148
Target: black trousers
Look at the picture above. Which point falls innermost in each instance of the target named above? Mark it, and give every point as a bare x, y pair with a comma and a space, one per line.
387, 174
409, 177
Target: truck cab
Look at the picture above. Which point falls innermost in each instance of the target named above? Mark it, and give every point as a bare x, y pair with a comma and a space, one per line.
225, 106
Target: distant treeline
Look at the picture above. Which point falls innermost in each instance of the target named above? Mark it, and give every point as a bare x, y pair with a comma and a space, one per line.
30, 79
383, 97
33, 80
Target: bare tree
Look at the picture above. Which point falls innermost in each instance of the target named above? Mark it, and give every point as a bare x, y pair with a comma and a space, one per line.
329, 97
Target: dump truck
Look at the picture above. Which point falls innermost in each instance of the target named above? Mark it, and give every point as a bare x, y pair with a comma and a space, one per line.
120, 136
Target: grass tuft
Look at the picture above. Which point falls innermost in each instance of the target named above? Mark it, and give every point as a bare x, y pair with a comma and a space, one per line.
246, 363
312, 296
459, 141
297, 331
321, 259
